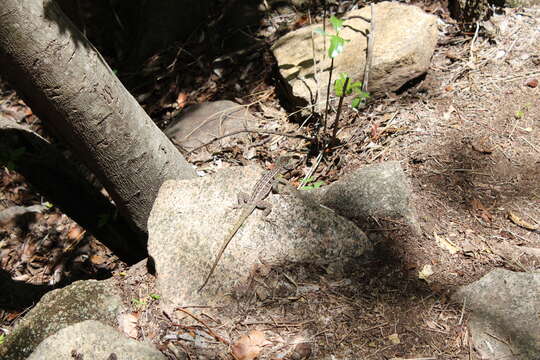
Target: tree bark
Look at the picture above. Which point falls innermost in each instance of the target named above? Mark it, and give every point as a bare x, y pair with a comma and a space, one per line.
70, 87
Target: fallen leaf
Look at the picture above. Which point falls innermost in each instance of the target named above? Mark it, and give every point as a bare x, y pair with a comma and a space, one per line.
127, 323
375, 132
249, 346
532, 83
426, 272
481, 210
97, 259
520, 222
181, 100
447, 244
75, 233
301, 21
483, 146
394, 338
12, 316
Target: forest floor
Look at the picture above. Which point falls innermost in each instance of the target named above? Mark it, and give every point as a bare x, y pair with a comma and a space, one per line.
467, 137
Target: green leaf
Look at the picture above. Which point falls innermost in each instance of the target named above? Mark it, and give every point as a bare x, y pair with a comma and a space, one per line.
2, 338
155, 296
356, 103
312, 185
339, 84
356, 85
138, 302
337, 24
337, 44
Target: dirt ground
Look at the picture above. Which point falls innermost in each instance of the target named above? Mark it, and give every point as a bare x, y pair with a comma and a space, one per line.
468, 138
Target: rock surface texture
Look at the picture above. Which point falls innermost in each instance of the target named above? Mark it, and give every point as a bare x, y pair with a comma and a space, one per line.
404, 41
204, 122
191, 219
83, 300
92, 340
505, 323
380, 190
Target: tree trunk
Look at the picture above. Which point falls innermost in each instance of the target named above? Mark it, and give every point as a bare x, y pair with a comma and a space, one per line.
70, 87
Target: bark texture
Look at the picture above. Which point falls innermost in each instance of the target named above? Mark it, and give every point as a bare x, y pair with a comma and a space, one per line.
70, 87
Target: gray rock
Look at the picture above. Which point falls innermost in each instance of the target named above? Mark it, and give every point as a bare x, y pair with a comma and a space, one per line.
505, 307
202, 123
405, 39
93, 341
380, 190
191, 219
82, 300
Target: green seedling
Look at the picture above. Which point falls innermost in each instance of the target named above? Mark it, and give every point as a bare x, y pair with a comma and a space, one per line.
355, 87
2, 338
310, 184
138, 302
337, 43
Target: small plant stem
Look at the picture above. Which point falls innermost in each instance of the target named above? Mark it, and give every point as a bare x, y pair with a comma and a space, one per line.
328, 94
315, 69
338, 113
324, 27
312, 170
369, 50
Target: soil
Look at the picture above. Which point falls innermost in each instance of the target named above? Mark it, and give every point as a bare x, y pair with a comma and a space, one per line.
467, 137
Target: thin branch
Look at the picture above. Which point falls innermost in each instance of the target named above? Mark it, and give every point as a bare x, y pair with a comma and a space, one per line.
369, 55
338, 113
256, 131
210, 331
328, 94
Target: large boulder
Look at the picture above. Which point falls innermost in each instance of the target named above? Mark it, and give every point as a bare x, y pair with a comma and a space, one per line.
92, 340
375, 191
199, 124
82, 300
505, 307
191, 219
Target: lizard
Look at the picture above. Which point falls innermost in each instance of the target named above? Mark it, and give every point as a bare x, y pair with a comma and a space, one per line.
260, 191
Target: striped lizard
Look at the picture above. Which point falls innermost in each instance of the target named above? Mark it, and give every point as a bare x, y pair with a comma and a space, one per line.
260, 191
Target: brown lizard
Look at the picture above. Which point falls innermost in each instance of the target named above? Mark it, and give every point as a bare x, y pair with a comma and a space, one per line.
260, 191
